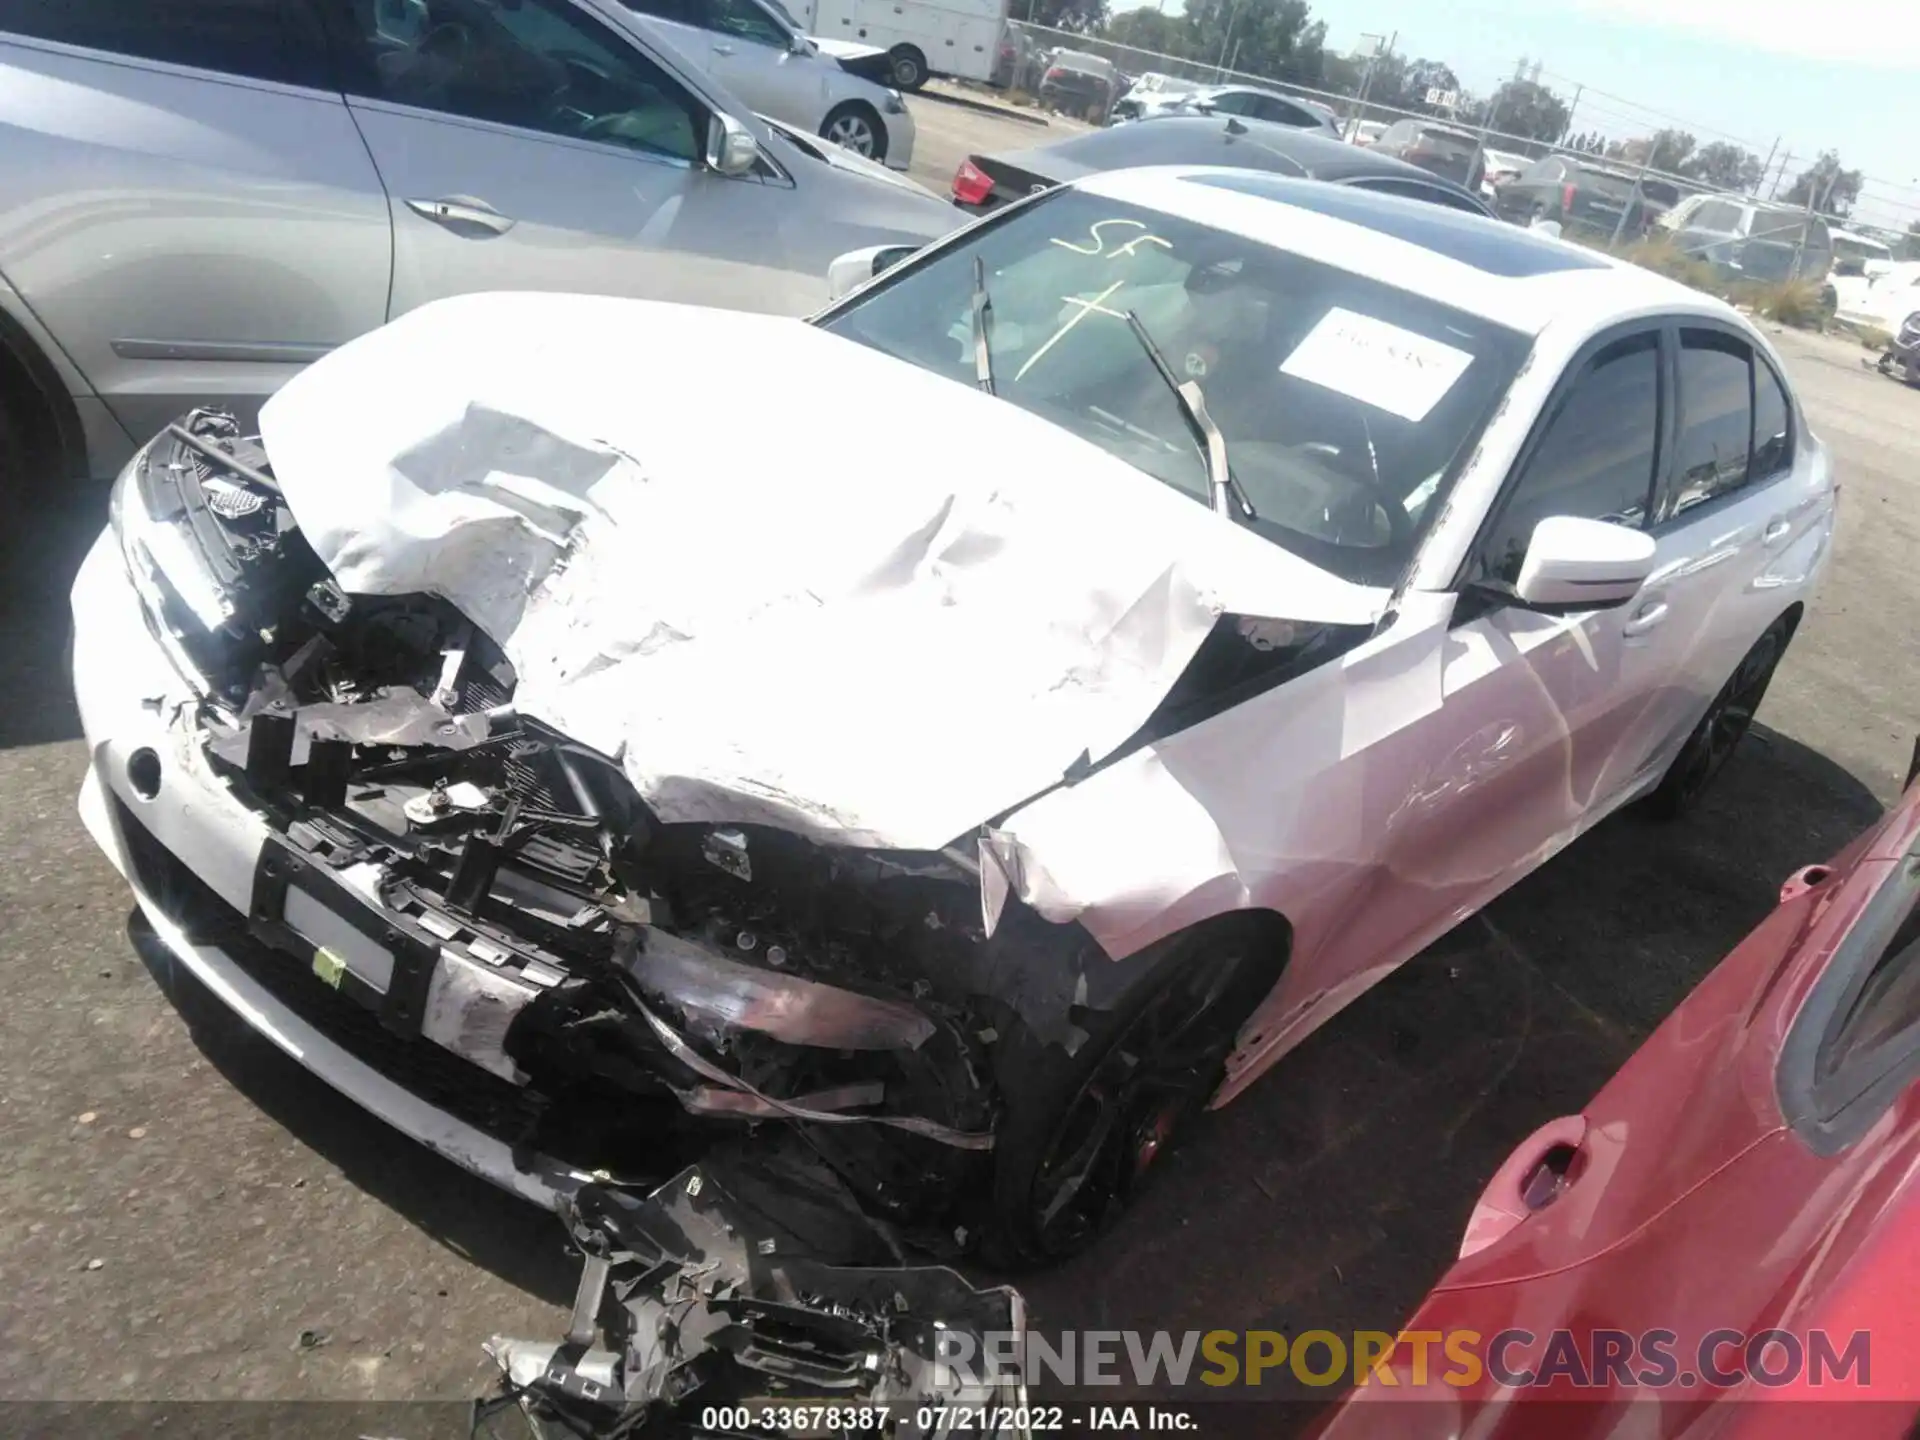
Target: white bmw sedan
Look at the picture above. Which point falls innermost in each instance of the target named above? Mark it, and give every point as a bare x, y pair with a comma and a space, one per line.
558, 734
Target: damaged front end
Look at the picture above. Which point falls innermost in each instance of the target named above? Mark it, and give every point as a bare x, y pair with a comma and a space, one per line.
476, 882
750, 1296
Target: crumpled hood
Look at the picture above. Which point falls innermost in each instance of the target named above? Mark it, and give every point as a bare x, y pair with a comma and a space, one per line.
780, 577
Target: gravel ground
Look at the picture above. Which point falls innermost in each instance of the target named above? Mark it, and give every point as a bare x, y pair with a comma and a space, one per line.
187, 1215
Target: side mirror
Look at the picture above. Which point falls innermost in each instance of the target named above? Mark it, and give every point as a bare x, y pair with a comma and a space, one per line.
848, 272
1574, 564
731, 148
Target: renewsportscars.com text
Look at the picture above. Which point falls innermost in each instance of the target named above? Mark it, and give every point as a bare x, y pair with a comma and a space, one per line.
1519, 1359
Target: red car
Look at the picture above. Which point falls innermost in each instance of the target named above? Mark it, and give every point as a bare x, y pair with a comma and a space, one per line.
1735, 1217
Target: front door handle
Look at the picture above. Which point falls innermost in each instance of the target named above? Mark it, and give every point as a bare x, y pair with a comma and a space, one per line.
1776, 532
1653, 613
462, 211
723, 49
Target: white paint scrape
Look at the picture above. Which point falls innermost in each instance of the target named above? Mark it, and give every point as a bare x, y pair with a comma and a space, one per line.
780, 577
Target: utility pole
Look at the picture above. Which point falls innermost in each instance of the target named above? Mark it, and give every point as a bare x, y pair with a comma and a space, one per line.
1567, 133
1785, 160
1233, 15
1766, 167
1806, 224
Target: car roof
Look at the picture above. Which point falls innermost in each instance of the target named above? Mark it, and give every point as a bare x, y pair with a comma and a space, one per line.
1499, 272
1203, 140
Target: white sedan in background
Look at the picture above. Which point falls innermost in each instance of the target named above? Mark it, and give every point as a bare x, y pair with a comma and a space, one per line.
1278, 572
834, 89
1249, 101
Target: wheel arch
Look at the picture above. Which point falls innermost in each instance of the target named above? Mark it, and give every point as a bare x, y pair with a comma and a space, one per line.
32, 391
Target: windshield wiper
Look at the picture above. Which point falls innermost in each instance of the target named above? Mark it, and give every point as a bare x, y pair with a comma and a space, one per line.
1225, 489
982, 303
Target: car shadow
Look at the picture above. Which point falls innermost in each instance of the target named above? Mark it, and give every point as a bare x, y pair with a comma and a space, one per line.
515, 1240
40, 550
1334, 1192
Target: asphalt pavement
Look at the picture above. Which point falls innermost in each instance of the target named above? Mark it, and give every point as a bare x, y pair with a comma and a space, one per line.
185, 1214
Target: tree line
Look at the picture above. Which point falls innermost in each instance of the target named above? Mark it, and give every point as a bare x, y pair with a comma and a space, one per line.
1280, 40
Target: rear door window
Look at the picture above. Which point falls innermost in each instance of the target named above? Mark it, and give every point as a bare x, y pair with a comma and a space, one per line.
1282, 112
1716, 418
260, 39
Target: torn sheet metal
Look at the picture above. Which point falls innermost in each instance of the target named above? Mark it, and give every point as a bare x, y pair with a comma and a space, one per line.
723, 549
1175, 832
756, 1283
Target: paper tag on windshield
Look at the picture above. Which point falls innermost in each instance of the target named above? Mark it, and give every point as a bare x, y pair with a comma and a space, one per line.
1376, 363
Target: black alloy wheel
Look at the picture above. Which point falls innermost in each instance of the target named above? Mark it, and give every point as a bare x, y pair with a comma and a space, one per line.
1723, 727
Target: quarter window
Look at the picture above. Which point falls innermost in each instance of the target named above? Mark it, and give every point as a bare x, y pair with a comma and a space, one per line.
539, 65
1716, 417
1772, 423
1595, 460
260, 39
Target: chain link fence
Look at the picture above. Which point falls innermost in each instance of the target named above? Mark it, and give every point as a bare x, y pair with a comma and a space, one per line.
1031, 47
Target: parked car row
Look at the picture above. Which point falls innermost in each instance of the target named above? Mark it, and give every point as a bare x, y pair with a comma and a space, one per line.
985, 182
198, 201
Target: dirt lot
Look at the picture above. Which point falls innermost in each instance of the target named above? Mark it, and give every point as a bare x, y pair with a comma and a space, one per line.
182, 1205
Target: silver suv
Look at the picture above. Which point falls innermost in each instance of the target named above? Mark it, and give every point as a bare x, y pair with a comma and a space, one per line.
198, 198
1751, 239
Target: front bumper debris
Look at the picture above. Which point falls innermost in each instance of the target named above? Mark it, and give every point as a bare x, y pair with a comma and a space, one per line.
700, 1312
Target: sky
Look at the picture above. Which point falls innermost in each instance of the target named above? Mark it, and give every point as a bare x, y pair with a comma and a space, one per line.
1834, 75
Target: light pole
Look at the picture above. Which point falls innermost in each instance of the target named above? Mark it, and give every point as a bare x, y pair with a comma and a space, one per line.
1233, 15
1382, 45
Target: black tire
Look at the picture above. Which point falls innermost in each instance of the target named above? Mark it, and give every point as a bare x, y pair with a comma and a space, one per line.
1723, 727
857, 127
13, 456
909, 67
1148, 1066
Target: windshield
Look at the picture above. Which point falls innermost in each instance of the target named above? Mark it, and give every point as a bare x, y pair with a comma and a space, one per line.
1446, 142
1345, 403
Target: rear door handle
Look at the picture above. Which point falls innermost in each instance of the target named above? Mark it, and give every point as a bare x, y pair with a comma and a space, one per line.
1776, 531
1653, 613
458, 210
723, 49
